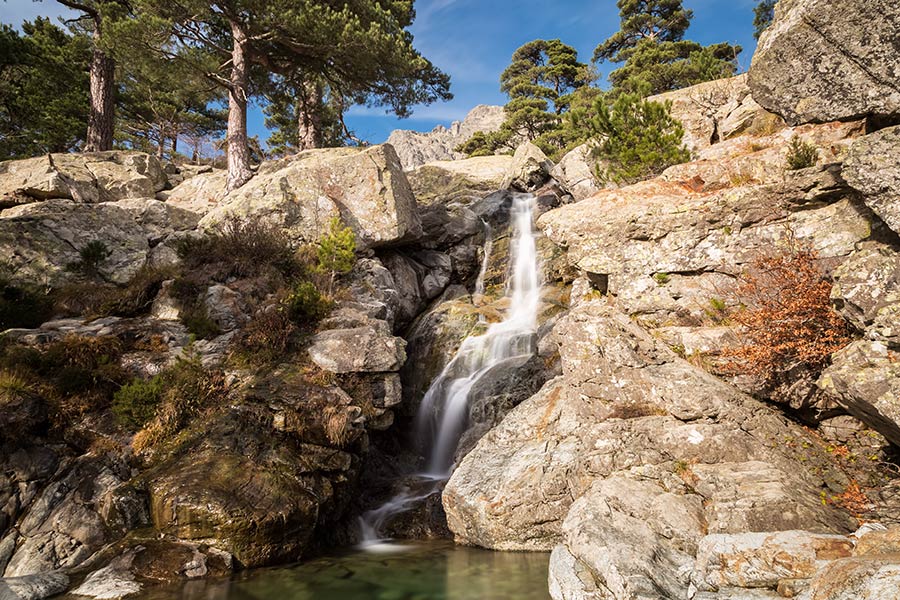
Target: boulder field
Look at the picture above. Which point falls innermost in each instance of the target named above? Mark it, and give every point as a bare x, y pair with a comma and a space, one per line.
624, 447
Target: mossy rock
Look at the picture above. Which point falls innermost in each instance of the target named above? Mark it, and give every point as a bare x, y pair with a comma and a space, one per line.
248, 489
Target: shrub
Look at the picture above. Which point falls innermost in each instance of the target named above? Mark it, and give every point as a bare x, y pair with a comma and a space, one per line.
800, 155
92, 257
788, 319
636, 139
189, 389
75, 374
336, 251
305, 303
195, 318
137, 296
266, 338
238, 248
23, 305
135, 403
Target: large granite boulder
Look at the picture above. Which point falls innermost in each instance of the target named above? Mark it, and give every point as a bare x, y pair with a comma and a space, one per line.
462, 181
367, 349
70, 516
255, 479
87, 177
827, 60
200, 194
575, 173
529, 170
873, 168
626, 404
865, 379
366, 188
716, 110
42, 240
665, 249
416, 149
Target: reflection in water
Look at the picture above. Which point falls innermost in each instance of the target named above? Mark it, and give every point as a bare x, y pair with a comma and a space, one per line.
420, 571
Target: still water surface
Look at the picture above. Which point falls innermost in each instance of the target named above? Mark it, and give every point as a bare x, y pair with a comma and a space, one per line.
418, 571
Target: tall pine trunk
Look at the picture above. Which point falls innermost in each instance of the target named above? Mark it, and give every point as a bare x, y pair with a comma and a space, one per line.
239, 171
310, 120
101, 119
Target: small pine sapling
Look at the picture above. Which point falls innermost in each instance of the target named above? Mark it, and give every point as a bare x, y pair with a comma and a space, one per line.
336, 251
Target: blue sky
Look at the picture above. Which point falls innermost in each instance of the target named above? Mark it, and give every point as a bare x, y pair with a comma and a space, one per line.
473, 40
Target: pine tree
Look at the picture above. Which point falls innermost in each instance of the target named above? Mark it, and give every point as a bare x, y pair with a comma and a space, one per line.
361, 48
304, 114
43, 89
160, 102
654, 20
655, 54
634, 139
336, 251
540, 82
96, 17
763, 15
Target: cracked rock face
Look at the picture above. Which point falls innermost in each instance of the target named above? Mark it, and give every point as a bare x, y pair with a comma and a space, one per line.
828, 60
627, 413
41, 239
88, 177
367, 189
873, 168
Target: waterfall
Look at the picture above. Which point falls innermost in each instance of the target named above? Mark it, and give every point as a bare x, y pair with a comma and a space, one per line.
478, 296
443, 413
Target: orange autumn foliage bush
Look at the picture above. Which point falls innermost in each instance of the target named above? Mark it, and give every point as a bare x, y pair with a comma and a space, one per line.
787, 318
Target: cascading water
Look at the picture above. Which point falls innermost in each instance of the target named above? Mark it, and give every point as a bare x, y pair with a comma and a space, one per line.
443, 412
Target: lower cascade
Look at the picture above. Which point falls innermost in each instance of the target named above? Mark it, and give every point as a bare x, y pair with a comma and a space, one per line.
506, 345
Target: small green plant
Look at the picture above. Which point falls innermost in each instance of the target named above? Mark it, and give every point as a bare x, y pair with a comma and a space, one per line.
800, 155
91, 259
718, 304
336, 251
136, 403
305, 303
662, 278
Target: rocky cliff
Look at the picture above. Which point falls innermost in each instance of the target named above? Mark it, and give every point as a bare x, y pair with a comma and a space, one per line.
256, 423
415, 149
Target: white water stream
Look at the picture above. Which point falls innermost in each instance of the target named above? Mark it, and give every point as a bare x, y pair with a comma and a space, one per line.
443, 413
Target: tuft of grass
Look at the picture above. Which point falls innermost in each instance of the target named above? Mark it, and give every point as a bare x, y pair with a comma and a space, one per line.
188, 389
239, 248
12, 385
800, 155
662, 278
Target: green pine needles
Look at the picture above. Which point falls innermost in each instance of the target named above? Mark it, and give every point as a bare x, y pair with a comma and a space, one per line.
635, 139
336, 251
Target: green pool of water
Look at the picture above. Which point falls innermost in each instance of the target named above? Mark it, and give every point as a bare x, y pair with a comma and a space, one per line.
415, 571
